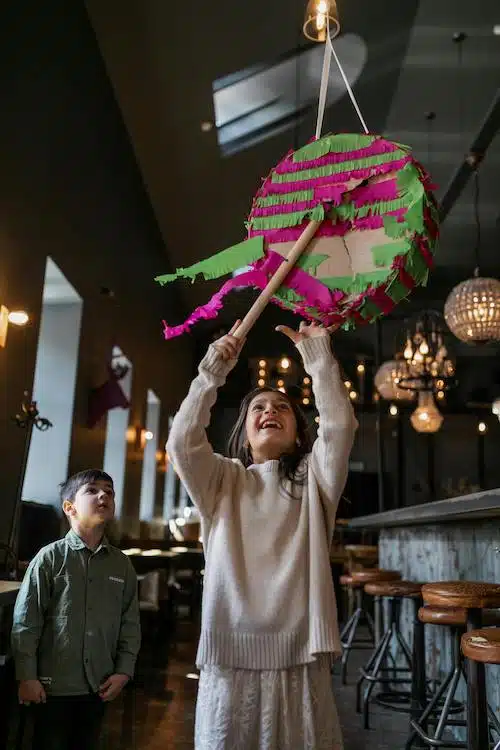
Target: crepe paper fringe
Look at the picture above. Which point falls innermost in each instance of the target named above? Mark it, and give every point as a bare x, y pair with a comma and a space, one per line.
222, 263
313, 291
271, 188
210, 310
383, 255
276, 236
334, 169
349, 210
397, 290
387, 190
338, 142
377, 147
275, 200
283, 221
394, 229
302, 206
356, 284
331, 193
310, 263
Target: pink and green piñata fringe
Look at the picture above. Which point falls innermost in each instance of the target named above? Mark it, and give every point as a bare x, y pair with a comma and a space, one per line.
316, 182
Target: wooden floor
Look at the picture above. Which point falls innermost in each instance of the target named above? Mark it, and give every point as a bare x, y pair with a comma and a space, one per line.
159, 715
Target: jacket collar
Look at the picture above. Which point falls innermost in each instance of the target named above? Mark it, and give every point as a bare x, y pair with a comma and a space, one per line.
76, 543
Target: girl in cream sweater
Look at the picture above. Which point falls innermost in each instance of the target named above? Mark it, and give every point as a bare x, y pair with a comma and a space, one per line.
269, 621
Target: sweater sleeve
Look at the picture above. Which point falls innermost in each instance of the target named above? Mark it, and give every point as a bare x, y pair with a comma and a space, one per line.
337, 423
29, 616
198, 467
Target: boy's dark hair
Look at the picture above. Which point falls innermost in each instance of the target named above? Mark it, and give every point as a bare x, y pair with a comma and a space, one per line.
70, 487
288, 462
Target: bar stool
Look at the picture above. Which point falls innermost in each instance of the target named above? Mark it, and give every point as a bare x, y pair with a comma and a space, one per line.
482, 647
473, 597
456, 619
348, 636
373, 672
356, 557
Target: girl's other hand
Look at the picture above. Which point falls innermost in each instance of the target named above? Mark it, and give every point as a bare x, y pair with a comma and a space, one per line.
229, 346
306, 331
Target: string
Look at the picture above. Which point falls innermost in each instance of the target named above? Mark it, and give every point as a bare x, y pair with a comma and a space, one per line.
477, 219
323, 91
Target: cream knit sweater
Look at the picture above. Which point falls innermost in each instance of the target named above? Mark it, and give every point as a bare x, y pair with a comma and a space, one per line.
268, 599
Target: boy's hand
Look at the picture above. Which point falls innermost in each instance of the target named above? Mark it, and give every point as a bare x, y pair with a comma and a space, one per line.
31, 691
113, 686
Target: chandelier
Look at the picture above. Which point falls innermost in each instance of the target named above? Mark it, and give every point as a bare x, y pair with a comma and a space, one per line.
425, 363
385, 382
426, 418
472, 310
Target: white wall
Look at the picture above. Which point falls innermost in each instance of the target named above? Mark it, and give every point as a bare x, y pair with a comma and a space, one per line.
54, 388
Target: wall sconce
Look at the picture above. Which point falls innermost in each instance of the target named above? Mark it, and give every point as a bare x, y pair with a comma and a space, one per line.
131, 435
16, 317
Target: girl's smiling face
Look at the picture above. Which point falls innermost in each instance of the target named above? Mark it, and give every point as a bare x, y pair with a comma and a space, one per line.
271, 426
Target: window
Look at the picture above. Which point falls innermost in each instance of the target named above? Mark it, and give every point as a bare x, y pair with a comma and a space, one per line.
259, 102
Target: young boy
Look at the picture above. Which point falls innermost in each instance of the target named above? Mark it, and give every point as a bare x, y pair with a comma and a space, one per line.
76, 631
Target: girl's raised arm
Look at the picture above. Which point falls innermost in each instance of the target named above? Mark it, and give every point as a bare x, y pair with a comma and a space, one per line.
199, 468
337, 422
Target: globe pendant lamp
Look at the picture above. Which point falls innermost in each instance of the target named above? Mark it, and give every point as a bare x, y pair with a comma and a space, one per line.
426, 418
472, 309
385, 382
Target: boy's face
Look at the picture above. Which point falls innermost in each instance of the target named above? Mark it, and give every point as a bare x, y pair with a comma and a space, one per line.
93, 504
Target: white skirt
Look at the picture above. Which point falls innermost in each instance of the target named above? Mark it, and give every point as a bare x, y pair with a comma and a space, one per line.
280, 709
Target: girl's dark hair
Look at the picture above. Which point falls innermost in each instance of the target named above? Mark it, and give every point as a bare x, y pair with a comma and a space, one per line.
288, 462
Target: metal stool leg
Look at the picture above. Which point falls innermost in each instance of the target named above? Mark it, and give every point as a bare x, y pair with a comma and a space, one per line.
477, 713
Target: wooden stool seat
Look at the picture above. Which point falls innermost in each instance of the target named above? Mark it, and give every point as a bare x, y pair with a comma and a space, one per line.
400, 589
455, 616
452, 616
362, 551
482, 645
372, 575
467, 594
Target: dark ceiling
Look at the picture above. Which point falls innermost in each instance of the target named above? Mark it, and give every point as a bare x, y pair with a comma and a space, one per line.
162, 65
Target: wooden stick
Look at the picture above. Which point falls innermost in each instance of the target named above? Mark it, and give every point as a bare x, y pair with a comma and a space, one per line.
276, 280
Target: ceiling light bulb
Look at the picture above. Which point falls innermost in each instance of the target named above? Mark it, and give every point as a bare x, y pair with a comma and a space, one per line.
482, 428
306, 381
361, 368
261, 383
262, 363
148, 435
281, 383
424, 347
285, 363
393, 410
426, 417
353, 395
262, 373
347, 384
305, 401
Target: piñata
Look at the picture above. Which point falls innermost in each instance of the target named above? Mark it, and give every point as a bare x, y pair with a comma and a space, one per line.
374, 243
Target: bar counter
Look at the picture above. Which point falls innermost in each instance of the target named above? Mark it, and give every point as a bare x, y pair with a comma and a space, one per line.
449, 540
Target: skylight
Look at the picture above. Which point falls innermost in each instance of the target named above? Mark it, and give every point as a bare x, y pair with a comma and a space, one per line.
264, 100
